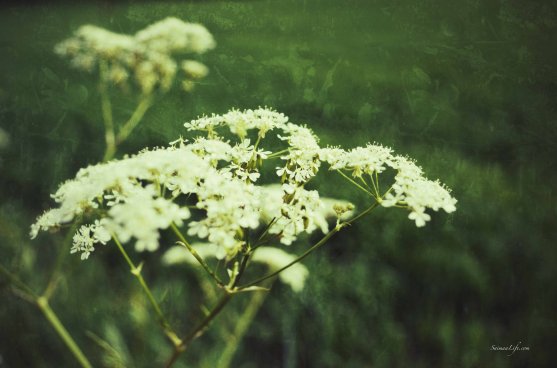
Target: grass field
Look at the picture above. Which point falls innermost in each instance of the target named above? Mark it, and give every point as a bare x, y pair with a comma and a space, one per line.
466, 88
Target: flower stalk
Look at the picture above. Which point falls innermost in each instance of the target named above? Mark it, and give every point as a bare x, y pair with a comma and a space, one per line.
221, 177
42, 303
136, 271
201, 328
183, 242
44, 306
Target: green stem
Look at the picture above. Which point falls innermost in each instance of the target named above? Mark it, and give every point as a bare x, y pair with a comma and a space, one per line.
243, 266
375, 183
136, 271
200, 329
313, 248
254, 153
135, 118
23, 287
353, 182
196, 255
304, 255
264, 233
54, 276
52, 318
241, 328
278, 153
106, 107
362, 214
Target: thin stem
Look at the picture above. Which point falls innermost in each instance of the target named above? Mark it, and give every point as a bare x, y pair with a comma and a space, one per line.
52, 318
363, 180
54, 276
50, 315
278, 153
353, 182
243, 266
255, 146
304, 255
311, 249
241, 328
136, 271
106, 107
200, 329
263, 234
362, 214
23, 287
135, 118
196, 255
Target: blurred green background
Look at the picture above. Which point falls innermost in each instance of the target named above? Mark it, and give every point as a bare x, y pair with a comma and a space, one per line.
468, 88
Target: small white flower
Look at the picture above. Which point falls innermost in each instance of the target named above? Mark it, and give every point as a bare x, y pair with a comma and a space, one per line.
419, 217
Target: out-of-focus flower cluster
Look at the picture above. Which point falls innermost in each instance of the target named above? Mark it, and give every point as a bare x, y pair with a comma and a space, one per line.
275, 258
4, 139
146, 57
214, 183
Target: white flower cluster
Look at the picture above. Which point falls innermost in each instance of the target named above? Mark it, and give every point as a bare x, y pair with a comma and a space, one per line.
129, 195
294, 211
360, 160
239, 122
138, 196
86, 237
410, 189
145, 56
302, 160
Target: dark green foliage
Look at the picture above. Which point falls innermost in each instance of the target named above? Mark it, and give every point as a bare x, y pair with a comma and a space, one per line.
467, 88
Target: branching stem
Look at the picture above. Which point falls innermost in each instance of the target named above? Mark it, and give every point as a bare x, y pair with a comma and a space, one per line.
317, 245
136, 271
144, 104
54, 321
240, 329
196, 255
353, 182
50, 315
54, 276
200, 329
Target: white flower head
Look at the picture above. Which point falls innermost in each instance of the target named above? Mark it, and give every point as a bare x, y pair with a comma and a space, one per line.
240, 122
172, 35
147, 56
135, 198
